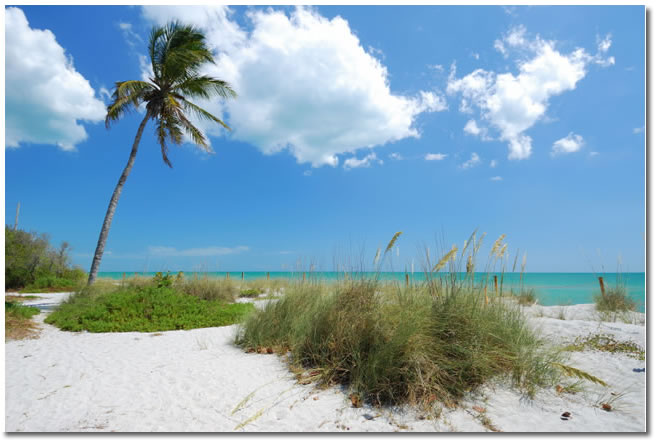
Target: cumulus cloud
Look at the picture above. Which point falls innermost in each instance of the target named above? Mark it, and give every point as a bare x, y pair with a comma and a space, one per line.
512, 103
396, 156
45, 97
568, 144
472, 128
472, 162
435, 157
493, 163
353, 162
305, 83
497, 178
205, 251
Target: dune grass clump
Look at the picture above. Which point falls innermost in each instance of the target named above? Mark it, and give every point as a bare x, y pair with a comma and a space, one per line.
526, 297
615, 299
394, 345
250, 293
143, 309
208, 289
18, 321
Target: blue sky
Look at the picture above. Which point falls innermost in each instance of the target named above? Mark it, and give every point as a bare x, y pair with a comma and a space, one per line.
351, 123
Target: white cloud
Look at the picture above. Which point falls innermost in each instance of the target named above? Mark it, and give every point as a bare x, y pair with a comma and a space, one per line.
396, 156
130, 36
305, 83
307, 173
205, 251
472, 162
45, 97
568, 144
593, 153
472, 128
638, 130
353, 162
493, 163
435, 157
513, 103
497, 178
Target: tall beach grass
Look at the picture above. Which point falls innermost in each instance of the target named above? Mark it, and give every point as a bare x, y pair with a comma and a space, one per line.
417, 344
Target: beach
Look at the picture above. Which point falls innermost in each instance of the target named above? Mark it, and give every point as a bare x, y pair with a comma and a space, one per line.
199, 381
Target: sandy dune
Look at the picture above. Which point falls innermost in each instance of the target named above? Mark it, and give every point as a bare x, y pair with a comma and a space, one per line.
193, 381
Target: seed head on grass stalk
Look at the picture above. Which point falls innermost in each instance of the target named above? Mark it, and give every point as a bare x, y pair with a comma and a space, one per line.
445, 259
496, 245
393, 241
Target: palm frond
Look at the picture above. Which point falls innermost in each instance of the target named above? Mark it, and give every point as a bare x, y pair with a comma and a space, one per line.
200, 113
127, 96
205, 87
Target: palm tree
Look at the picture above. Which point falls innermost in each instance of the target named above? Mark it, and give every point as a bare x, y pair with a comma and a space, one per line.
177, 52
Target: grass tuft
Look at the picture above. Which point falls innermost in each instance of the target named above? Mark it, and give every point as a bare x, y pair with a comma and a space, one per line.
393, 345
615, 299
18, 321
527, 297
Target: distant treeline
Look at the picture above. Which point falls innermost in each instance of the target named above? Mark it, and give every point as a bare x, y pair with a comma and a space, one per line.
32, 263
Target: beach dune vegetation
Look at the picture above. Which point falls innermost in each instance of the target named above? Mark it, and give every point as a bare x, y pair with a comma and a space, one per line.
144, 308
177, 53
393, 344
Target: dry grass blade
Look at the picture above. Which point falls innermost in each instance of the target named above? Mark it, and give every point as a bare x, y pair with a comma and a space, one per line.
478, 247
393, 241
574, 372
468, 242
257, 415
515, 262
377, 257
469, 267
445, 259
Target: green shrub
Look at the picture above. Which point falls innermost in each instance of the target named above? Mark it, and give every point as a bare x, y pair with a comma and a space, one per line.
146, 309
616, 299
31, 262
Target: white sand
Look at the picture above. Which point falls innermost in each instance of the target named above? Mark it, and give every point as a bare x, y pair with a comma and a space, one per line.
199, 381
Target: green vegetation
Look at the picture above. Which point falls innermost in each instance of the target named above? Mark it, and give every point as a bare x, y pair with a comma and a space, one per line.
18, 321
177, 52
250, 293
527, 297
615, 299
105, 307
33, 265
607, 343
391, 344
400, 345
209, 289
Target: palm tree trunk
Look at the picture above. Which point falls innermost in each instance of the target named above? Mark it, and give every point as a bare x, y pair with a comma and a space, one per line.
105, 229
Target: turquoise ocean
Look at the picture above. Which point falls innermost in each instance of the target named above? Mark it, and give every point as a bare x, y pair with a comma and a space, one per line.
551, 288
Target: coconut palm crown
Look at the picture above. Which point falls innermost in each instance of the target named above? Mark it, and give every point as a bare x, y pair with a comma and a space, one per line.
177, 53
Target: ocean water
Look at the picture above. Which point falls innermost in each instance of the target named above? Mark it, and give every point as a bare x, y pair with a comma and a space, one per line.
551, 288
